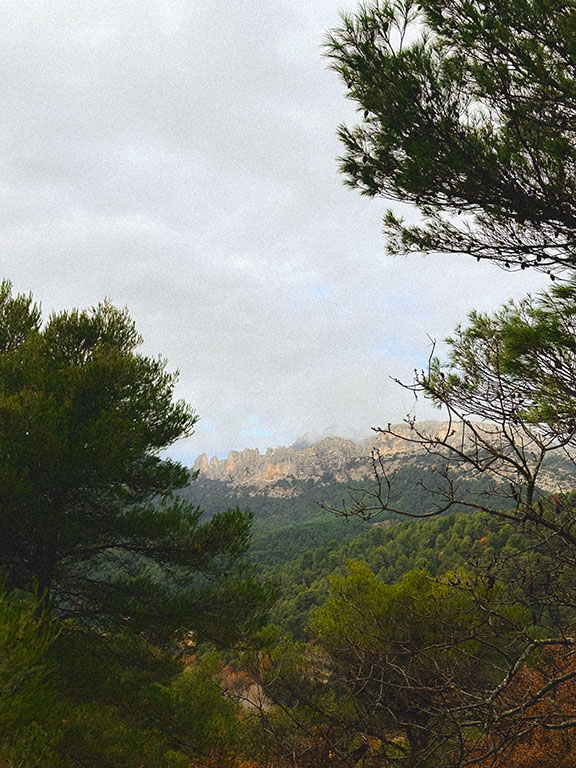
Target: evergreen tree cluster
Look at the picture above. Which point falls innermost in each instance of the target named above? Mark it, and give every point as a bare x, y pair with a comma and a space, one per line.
112, 584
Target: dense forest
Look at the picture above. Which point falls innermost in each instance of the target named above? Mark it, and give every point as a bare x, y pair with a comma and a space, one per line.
438, 546
295, 515
431, 624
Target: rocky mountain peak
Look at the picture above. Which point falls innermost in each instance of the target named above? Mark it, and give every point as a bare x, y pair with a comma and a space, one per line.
278, 469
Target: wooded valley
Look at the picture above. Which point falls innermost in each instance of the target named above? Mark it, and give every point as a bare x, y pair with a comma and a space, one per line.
409, 601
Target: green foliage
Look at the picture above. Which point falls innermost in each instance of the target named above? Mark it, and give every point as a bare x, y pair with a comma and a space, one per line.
439, 545
468, 108
128, 704
417, 657
418, 610
274, 544
70, 697
87, 505
29, 723
524, 354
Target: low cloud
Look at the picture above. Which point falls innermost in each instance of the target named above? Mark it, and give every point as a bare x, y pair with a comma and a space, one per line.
180, 159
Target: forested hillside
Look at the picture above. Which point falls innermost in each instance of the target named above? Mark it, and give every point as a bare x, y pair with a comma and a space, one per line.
437, 546
406, 602
301, 498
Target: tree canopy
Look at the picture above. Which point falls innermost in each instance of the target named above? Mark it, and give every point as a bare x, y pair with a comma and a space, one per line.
469, 113
88, 509
508, 386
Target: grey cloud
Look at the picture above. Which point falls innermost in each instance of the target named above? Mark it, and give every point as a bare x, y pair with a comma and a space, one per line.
179, 158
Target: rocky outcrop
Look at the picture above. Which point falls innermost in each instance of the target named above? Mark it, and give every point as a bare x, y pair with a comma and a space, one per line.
285, 467
284, 472
279, 470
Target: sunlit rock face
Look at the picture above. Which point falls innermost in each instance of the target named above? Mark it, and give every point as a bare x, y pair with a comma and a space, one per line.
282, 472
286, 467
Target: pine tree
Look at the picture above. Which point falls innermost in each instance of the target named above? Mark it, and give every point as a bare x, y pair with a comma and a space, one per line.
469, 113
88, 510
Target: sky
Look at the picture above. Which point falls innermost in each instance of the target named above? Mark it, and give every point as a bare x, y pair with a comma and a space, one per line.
179, 158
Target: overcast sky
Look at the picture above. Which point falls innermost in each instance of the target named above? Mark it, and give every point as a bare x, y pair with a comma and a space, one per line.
178, 157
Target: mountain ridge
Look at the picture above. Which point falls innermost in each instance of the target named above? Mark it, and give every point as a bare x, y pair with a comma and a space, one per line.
290, 490
279, 470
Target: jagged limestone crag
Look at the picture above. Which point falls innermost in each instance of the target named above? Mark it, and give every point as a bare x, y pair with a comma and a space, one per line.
282, 472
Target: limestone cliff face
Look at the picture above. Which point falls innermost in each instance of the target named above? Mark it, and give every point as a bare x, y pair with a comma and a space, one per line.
279, 470
284, 467
285, 472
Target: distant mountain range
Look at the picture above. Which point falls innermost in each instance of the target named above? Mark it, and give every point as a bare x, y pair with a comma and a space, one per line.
284, 486
288, 472
281, 472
